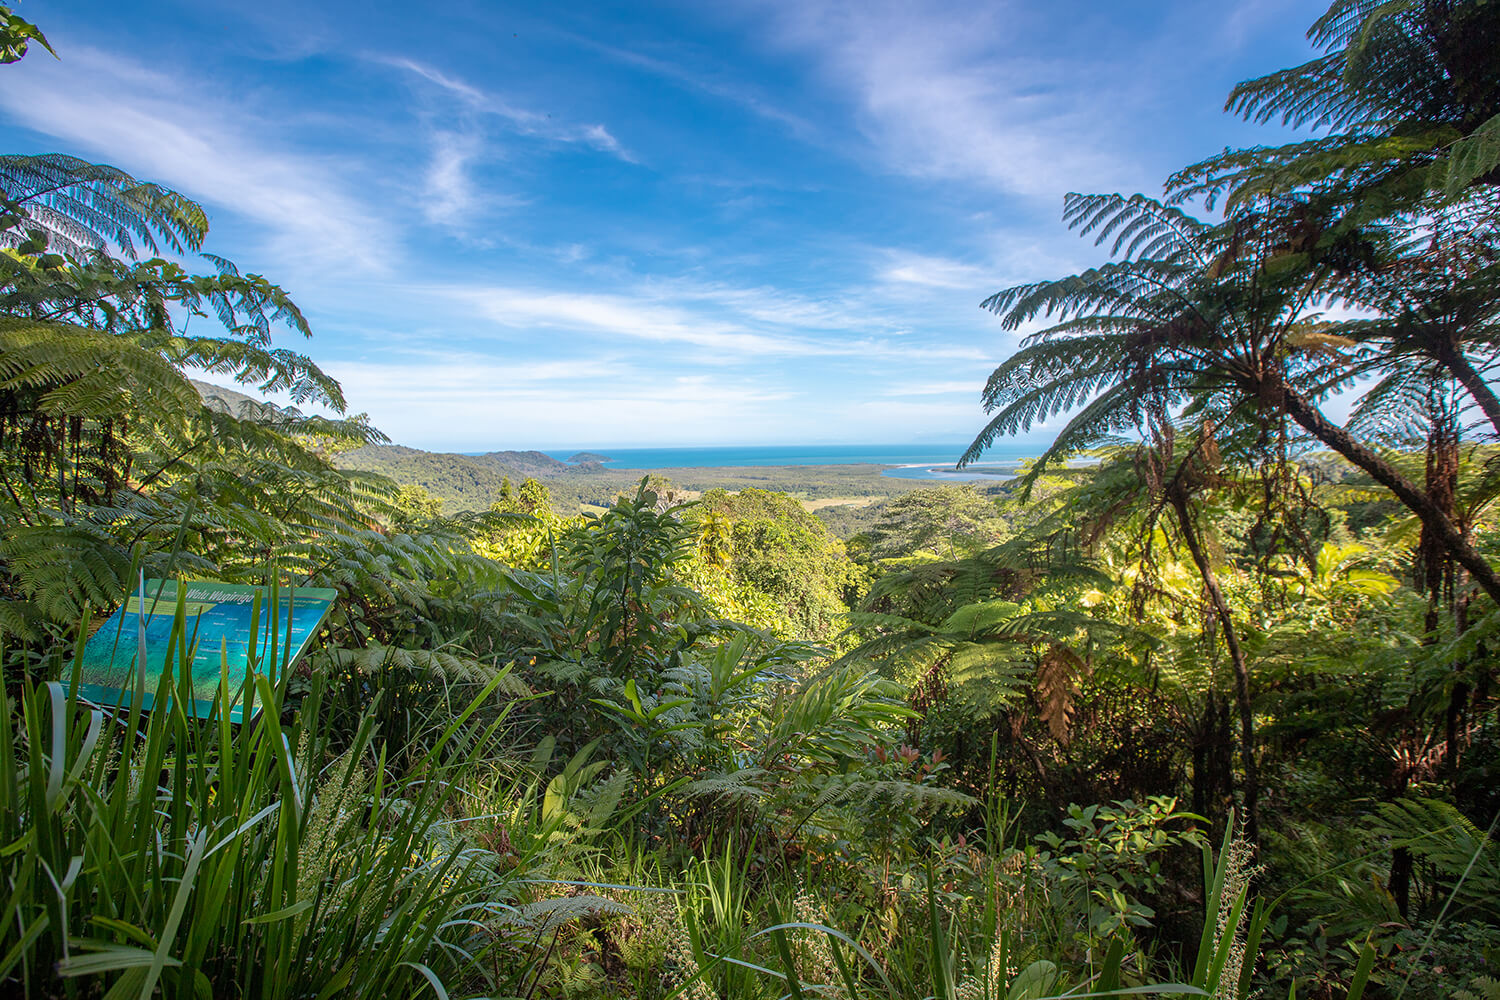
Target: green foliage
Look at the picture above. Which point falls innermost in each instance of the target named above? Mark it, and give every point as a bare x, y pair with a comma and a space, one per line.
16, 36
159, 851
1458, 852
1409, 87
65, 206
1107, 862
413, 507
788, 554
949, 521
650, 750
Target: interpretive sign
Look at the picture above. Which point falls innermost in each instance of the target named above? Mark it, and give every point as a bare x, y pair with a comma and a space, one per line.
226, 626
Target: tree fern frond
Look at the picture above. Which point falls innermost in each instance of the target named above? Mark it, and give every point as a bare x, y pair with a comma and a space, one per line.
1120, 286
1141, 226
740, 786
1313, 93
90, 206
545, 916
1441, 836
1472, 157
72, 370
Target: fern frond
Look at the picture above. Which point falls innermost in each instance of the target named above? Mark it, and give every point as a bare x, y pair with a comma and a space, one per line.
1142, 227
87, 206
545, 916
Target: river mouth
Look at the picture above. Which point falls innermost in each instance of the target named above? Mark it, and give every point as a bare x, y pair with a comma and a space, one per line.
987, 474
979, 472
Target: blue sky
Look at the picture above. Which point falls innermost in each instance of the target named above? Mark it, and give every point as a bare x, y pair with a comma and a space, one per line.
597, 224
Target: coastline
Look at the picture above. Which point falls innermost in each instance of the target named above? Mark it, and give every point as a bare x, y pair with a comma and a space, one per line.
471, 482
927, 472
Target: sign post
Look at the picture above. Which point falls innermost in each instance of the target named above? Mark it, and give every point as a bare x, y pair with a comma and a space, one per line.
226, 625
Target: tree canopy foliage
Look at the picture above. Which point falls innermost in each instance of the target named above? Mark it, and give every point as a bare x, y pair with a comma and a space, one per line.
1214, 714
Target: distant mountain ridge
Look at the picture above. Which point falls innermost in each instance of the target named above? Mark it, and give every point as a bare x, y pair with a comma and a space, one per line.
472, 482
456, 478
528, 463
464, 482
236, 404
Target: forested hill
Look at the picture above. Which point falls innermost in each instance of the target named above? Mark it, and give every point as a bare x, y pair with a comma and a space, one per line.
472, 482
460, 481
234, 403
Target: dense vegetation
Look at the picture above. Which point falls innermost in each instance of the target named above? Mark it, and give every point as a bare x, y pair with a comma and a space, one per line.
1217, 716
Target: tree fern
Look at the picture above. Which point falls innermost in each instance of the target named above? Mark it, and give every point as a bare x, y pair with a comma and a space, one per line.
1437, 833
87, 206
1408, 84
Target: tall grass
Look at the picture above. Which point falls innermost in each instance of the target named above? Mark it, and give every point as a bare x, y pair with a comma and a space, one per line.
154, 851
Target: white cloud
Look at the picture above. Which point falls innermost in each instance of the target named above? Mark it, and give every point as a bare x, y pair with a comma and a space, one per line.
451, 196
897, 417
776, 307
598, 136
165, 129
970, 387
601, 315
950, 91
450, 193
477, 403
732, 324
469, 94
521, 120
903, 267
713, 84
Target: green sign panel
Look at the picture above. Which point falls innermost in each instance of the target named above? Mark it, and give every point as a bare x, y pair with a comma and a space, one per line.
217, 631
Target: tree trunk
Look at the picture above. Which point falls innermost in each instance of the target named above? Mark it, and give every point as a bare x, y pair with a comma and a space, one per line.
1400, 880
1213, 761
1432, 517
1202, 743
1453, 358
1236, 657
1435, 575
1438, 571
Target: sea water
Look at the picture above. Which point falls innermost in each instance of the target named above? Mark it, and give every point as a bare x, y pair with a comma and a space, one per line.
911, 461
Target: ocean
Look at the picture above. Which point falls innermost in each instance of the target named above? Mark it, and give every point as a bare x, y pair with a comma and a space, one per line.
912, 461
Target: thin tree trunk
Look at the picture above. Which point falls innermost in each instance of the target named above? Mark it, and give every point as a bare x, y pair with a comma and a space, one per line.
1418, 502
1438, 571
1213, 753
1400, 880
1453, 358
1435, 570
1236, 657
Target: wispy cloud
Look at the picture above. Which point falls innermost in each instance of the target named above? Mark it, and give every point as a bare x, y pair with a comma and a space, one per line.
898, 413
905, 268
450, 192
710, 83
616, 315
832, 311
477, 402
970, 387
521, 120
948, 90
731, 324
451, 196
166, 129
